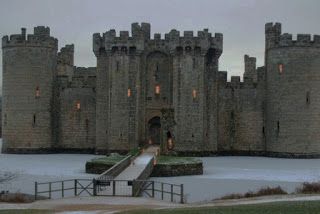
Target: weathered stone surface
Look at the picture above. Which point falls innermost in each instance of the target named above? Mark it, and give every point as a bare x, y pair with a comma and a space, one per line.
50, 105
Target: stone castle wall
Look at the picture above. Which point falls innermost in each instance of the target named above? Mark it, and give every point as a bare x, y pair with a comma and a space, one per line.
293, 98
28, 74
51, 105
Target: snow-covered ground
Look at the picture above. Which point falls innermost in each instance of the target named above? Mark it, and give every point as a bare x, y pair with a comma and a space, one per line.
225, 175
42, 168
222, 175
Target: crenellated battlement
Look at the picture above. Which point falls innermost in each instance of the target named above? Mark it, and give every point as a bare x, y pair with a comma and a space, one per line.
81, 77
303, 40
236, 83
274, 38
66, 55
40, 38
140, 40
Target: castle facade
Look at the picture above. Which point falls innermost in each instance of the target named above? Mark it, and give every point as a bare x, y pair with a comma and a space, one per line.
167, 91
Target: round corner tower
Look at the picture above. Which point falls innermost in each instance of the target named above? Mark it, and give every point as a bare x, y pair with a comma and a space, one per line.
292, 93
29, 66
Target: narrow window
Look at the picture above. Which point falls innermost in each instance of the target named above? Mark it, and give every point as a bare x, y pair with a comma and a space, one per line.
87, 124
193, 63
37, 92
117, 65
5, 119
232, 115
308, 97
263, 131
278, 126
194, 93
78, 105
157, 89
129, 92
280, 68
34, 120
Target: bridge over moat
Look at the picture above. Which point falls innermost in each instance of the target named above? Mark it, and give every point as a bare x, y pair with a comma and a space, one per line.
128, 178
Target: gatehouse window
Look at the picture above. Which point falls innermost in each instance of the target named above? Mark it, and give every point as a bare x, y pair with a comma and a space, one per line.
129, 92
78, 105
278, 127
117, 65
280, 68
194, 93
157, 89
37, 92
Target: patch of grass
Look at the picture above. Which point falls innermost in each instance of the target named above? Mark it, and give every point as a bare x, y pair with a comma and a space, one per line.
134, 151
177, 160
110, 159
261, 192
309, 188
310, 207
27, 211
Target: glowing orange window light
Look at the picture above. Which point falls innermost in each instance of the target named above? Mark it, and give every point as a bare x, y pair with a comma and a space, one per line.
157, 89
129, 92
170, 144
194, 93
280, 67
78, 105
37, 91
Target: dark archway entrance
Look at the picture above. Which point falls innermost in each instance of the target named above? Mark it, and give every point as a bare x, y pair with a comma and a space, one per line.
154, 131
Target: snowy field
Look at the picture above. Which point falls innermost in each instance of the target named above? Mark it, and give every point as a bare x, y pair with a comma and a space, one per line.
225, 175
222, 175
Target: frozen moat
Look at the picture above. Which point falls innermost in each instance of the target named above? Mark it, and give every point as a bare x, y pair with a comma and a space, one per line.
222, 175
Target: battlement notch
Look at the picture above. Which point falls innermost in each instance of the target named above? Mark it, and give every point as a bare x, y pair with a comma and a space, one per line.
40, 38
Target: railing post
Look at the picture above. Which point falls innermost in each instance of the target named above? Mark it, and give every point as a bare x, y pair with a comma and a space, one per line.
62, 189
133, 188
49, 190
35, 190
171, 192
161, 191
152, 189
114, 187
181, 194
75, 187
94, 183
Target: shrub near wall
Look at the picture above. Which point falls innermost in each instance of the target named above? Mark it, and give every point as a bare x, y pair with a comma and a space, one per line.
169, 166
100, 165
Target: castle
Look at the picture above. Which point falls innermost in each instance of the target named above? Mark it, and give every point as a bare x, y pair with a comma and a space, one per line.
166, 91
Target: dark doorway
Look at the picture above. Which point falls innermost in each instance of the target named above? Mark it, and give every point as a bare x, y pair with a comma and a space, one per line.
154, 132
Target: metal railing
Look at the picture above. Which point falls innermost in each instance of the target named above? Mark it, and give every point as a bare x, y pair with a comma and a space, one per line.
123, 188
71, 187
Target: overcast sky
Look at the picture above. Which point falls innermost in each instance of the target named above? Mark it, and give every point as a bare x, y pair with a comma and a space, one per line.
241, 21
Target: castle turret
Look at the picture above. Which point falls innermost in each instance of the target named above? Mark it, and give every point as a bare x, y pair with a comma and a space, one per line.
292, 90
250, 68
29, 65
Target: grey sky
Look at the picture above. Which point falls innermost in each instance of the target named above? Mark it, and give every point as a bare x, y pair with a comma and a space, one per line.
240, 21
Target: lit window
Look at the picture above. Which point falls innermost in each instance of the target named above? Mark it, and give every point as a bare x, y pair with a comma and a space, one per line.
78, 105
129, 92
280, 67
157, 89
194, 93
37, 92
